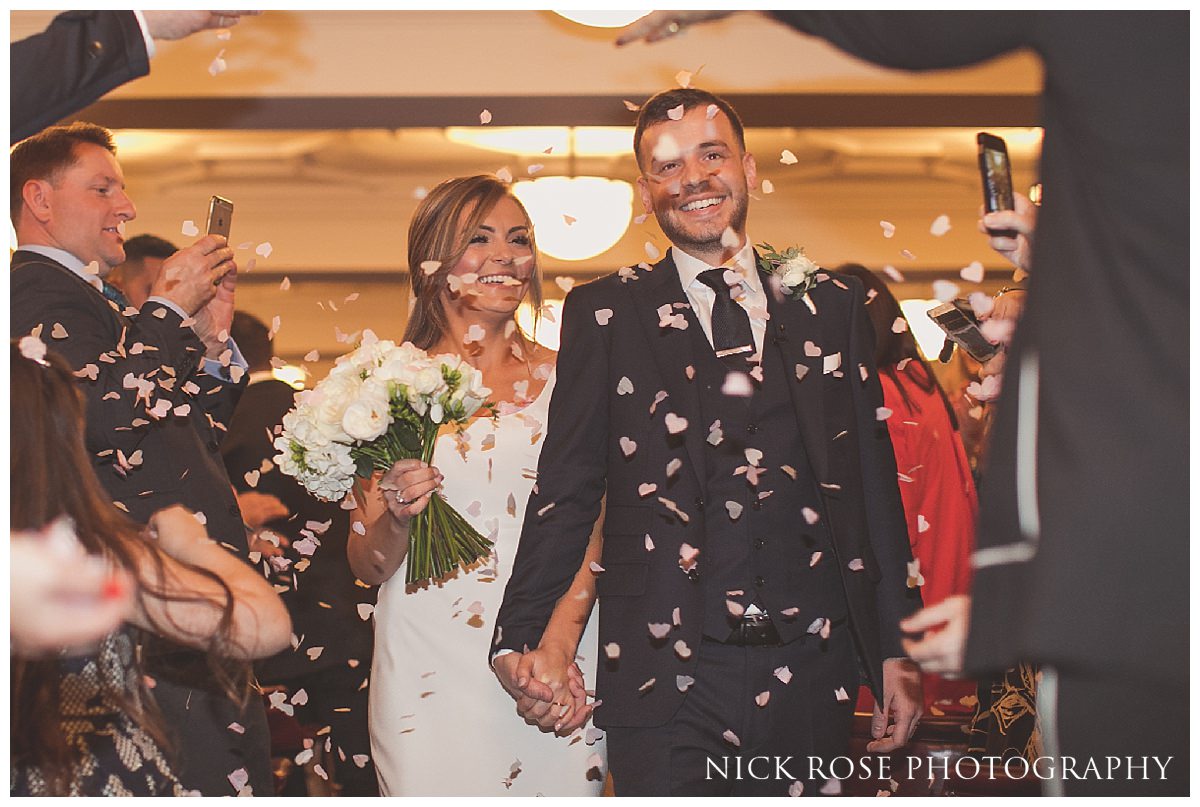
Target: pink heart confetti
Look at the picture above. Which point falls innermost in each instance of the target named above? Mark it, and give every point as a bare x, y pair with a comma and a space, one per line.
190, 229
735, 608
624, 386
737, 385
596, 567
485, 117
831, 362
784, 674
731, 738
882, 413
761, 698
612, 650
649, 543
648, 685
251, 478
264, 249
652, 252
796, 789
631, 106
768, 186
603, 315
675, 113
684, 79
646, 488
504, 175
218, 66
811, 349
734, 509
944, 290
889, 229
855, 565
922, 523
904, 253
972, 272
893, 274
365, 609
687, 556
659, 630
683, 682
682, 650
840, 694
899, 325
58, 331
810, 515
788, 158
940, 226
627, 446
675, 424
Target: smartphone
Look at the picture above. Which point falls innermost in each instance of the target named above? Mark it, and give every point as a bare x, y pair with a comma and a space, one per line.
996, 174
958, 321
220, 216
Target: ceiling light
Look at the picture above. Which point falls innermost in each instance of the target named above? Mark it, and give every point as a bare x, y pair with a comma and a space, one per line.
576, 218
603, 19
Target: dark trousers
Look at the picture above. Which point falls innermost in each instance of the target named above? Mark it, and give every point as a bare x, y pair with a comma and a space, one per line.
1101, 717
693, 756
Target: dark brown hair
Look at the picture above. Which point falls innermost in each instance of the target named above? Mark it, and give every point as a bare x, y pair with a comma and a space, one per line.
51, 476
891, 348
655, 111
47, 153
440, 231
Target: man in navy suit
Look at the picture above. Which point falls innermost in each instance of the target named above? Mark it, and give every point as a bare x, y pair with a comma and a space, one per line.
754, 540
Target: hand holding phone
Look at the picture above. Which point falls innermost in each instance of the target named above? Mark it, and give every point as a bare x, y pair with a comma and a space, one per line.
958, 322
995, 172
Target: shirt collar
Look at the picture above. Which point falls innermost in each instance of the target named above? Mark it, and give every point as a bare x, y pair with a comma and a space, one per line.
690, 267
68, 261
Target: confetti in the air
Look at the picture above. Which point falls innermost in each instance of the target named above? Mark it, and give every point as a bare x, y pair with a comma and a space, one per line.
889, 229
940, 226
652, 252
603, 315
840, 694
627, 446
893, 273
882, 413
683, 682
944, 290
190, 229
217, 66
675, 424
675, 113
922, 523
285, 284
784, 674
264, 249
485, 117
684, 79
731, 738
624, 386
899, 325
972, 273
768, 186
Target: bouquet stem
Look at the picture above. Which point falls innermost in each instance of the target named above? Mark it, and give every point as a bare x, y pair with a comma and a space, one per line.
439, 539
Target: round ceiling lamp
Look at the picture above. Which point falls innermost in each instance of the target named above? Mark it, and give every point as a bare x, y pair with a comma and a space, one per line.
603, 19
576, 218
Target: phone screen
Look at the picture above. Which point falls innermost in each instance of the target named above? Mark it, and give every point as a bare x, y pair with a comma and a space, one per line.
995, 172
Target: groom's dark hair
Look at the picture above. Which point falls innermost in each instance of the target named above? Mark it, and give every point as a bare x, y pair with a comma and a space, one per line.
655, 111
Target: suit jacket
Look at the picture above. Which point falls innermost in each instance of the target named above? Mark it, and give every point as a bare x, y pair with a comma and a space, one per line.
78, 58
1094, 574
145, 463
610, 331
322, 599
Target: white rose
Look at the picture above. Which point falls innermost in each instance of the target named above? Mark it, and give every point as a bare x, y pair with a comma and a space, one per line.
796, 271
428, 381
366, 419
331, 397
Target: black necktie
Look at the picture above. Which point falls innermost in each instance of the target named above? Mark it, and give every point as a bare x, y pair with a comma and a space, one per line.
732, 338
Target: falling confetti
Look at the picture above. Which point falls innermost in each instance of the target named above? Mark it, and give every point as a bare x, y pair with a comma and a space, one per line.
565, 283
652, 252
218, 65
675, 113
882, 413
684, 682
972, 273
899, 325
768, 186
624, 386
944, 290
684, 79
675, 424
940, 226
731, 738
285, 284
264, 249
485, 117
893, 273
603, 315
889, 229
784, 674
787, 158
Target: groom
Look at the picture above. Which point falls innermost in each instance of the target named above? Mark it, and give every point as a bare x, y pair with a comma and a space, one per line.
754, 543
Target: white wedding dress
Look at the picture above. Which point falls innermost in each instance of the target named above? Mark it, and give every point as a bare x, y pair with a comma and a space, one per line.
440, 722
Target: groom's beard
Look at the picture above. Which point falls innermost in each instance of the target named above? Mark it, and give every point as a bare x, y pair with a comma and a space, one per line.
705, 237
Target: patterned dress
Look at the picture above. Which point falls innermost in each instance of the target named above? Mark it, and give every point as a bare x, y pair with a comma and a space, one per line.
116, 756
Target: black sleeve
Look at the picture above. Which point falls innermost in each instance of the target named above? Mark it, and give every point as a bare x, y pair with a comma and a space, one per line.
917, 40
78, 58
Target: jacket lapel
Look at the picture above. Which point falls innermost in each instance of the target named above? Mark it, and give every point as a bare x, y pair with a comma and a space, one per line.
671, 350
790, 326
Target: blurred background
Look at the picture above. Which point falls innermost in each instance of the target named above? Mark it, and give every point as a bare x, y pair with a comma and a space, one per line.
326, 127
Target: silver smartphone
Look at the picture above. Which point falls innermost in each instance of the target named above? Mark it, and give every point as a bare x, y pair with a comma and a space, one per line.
958, 322
220, 216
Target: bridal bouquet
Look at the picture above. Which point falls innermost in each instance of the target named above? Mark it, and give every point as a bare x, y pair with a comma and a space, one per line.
381, 403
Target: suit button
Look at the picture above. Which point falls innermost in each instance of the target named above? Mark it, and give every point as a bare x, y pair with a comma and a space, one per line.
700, 502
759, 582
756, 504
759, 543
95, 48
214, 446
752, 429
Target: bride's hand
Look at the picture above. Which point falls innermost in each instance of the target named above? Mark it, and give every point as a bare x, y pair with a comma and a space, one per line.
407, 486
553, 671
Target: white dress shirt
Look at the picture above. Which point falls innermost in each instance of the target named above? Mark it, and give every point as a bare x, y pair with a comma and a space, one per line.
753, 297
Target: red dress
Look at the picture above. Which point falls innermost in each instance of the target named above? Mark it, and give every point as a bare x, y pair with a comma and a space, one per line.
940, 506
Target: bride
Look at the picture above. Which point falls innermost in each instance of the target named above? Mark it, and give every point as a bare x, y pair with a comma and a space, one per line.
439, 724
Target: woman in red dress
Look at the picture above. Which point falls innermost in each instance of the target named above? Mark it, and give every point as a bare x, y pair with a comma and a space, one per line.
936, 486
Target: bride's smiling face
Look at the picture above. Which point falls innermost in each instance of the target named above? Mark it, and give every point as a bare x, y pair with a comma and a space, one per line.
494, 273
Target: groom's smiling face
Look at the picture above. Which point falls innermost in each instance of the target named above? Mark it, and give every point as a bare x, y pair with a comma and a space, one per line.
696, 180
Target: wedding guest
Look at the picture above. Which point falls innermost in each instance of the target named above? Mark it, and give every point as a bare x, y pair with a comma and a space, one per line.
753, 528
84, 723
84, 54
310, 571
1078, 463
438, 724
133, 279
160, 385
935, 477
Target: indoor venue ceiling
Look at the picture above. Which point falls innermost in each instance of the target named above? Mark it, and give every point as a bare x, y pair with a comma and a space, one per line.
326, 127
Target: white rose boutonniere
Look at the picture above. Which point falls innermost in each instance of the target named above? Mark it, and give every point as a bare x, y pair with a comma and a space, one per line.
795, 271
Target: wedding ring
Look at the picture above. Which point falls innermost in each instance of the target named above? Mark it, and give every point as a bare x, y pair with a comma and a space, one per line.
673, 27
400, 498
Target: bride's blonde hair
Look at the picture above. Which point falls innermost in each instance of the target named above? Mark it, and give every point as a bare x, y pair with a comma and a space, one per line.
440, 231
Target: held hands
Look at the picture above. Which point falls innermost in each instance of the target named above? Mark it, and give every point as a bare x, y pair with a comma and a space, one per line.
945, 627
548, 688
902, 702
407, 486
1023, 221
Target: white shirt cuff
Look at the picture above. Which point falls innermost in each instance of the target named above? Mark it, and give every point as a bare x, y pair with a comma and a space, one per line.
145, 34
